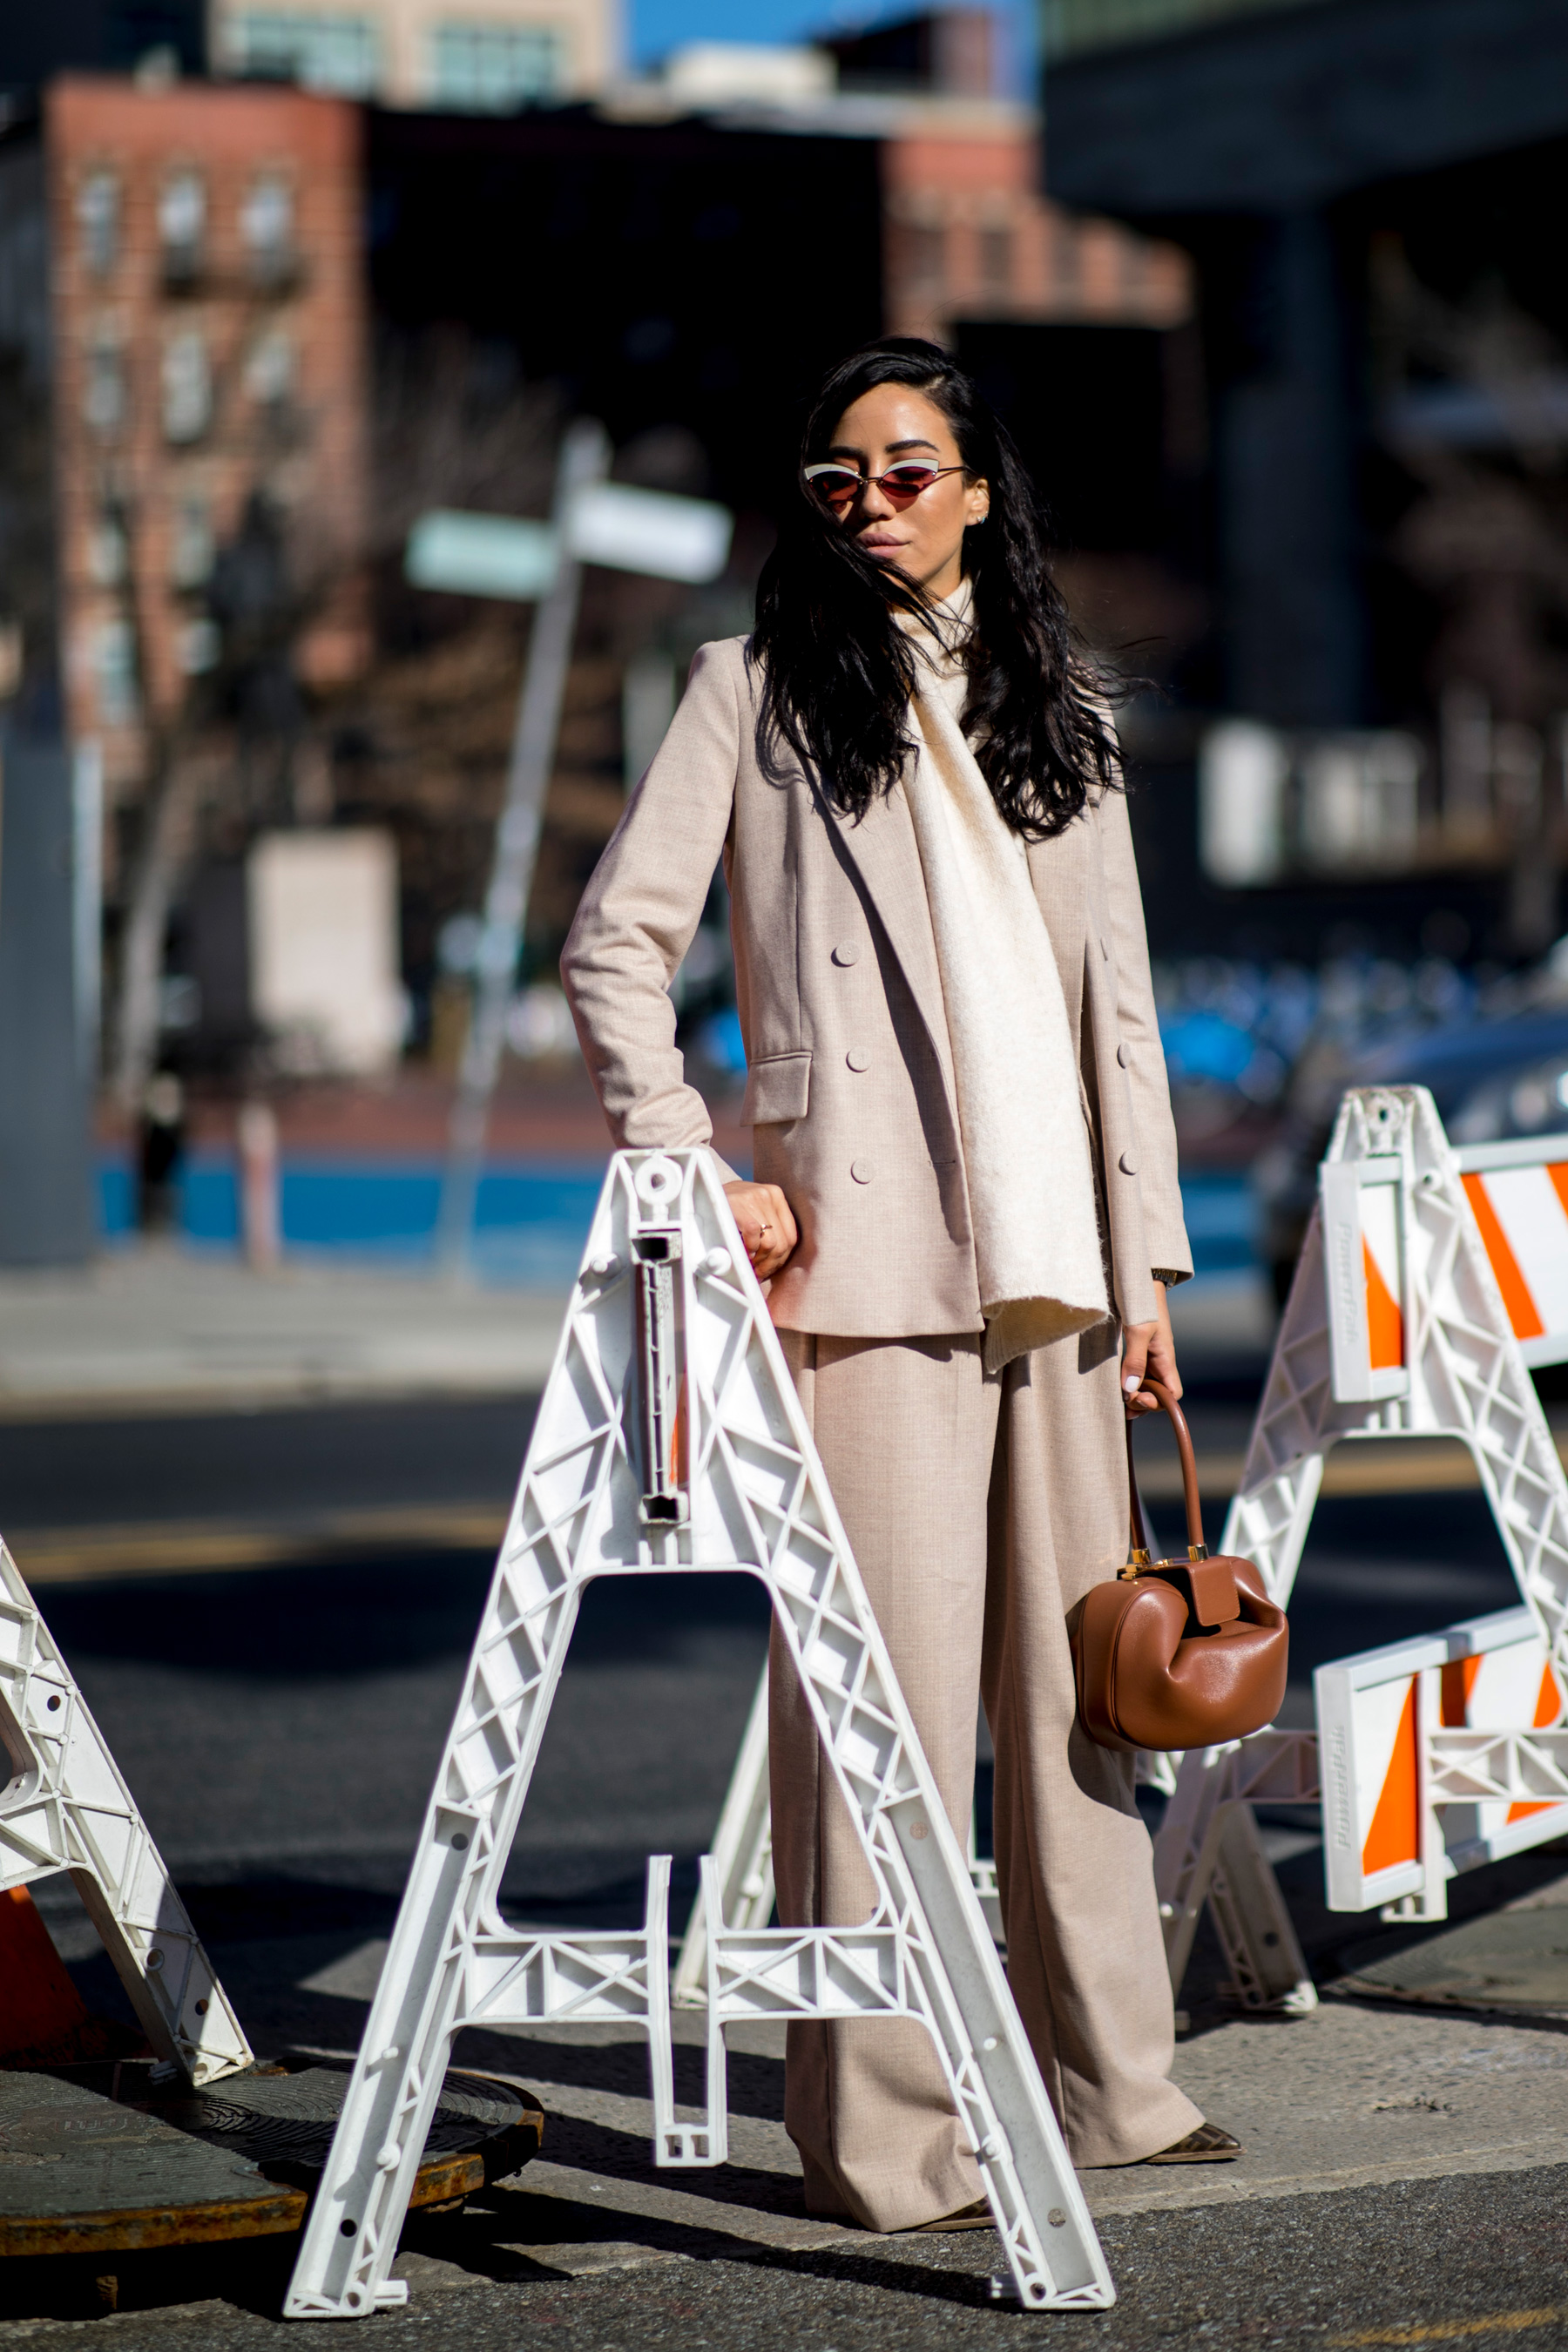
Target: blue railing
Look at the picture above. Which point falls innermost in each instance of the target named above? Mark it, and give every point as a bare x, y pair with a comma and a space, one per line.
532, 1216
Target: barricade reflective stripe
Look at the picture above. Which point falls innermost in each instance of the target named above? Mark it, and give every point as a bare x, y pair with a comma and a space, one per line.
1380, 1258
1394, 1835
1518, 1194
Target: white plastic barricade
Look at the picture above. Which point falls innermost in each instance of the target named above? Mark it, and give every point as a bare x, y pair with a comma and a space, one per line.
1424, 1277
1381, 1718
1518, 1194
743, 1858
65, 1807
669, 1438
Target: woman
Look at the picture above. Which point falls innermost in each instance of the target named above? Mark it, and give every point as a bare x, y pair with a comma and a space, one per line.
964, 1200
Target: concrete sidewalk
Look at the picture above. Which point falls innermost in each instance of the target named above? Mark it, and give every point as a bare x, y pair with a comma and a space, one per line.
160, 1328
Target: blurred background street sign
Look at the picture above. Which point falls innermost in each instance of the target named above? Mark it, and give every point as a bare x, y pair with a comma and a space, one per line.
481, 555
627, 530
651, 531
594, 521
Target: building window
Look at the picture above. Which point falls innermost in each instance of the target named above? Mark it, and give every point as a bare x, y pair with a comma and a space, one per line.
108, 554
333, 53
269, 369
486, 68
114, 672
103, 401
921, 252
103, 385
190, 544
996, 262
183, 222
1067, 260
98, 218
198, 647
1135, 258
267, 225
187, 386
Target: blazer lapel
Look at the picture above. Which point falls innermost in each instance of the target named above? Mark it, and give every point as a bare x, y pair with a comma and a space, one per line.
882, 848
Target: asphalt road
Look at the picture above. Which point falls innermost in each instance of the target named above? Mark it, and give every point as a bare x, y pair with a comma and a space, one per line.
1479, 2259
282, 1725
281, 1728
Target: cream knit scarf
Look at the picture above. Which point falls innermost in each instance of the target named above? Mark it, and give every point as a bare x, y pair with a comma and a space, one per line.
1021, 1125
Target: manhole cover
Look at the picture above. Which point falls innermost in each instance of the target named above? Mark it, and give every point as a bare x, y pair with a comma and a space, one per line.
284, 2123
80, 2173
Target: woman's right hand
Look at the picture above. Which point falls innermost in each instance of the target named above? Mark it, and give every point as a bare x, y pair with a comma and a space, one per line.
767, 1228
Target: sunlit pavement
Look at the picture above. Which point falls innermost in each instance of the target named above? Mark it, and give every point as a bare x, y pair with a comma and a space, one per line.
1403, 2174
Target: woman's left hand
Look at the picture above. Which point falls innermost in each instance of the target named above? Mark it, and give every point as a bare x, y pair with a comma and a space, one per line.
1149, 1348
766, 1224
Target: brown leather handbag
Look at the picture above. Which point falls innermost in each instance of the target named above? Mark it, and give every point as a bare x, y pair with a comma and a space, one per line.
1178, 1653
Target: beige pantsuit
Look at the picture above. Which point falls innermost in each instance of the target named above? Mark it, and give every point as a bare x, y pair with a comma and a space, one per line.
979, 1510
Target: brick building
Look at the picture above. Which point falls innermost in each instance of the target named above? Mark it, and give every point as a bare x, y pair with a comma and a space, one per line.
969, 234
202, 252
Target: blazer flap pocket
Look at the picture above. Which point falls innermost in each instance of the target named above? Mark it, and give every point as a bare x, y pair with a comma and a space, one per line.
777, 1088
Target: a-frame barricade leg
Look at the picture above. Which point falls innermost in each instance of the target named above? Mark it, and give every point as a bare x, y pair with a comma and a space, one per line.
669, 1438
742, 1857
1395, 1327
67, 1807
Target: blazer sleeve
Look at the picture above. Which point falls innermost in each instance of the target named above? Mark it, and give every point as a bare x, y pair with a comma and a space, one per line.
640, 909
1138, 1030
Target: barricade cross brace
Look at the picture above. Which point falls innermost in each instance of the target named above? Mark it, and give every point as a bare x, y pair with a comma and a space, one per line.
669, 1438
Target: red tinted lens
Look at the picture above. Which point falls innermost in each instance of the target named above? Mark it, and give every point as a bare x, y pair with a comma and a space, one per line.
837, 487
905, 483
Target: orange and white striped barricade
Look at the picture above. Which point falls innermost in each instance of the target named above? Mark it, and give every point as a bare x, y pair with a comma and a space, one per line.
1518, 1194
1425, 1277
1389, 1831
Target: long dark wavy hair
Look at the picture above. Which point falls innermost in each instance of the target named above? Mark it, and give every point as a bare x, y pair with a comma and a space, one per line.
838, 671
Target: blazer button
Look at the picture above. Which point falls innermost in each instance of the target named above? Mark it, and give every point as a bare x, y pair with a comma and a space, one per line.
858, 1060
1123, 1056
846, 952
1128, 1165
862, 1171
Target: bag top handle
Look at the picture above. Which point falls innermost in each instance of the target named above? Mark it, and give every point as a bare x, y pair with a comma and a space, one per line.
1197, 1548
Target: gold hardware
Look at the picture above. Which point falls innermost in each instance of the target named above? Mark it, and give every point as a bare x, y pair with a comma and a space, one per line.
1197, 1552
1136, 1560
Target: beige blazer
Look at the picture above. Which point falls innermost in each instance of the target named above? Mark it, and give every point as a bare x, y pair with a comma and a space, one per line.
850, 1091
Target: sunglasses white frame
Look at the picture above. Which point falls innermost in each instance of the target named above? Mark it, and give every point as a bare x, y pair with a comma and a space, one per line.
864, 482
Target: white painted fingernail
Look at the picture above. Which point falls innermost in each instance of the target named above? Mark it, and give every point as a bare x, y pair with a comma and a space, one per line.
1132, 1383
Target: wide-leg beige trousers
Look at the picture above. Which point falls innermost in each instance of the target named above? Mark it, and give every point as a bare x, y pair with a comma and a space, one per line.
979, 1510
